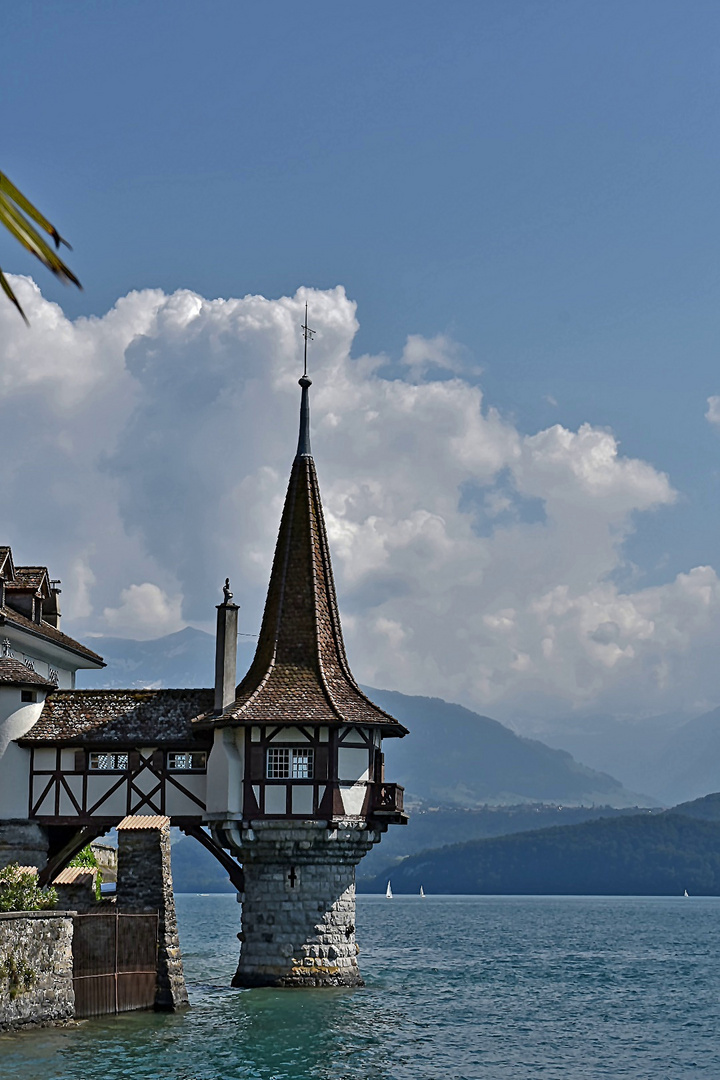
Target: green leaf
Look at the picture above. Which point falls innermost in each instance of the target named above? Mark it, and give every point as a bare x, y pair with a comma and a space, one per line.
13, 206
5, 286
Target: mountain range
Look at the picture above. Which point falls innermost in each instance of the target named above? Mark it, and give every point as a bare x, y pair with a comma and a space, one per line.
641, 854
452, 758
674, 758
668, 759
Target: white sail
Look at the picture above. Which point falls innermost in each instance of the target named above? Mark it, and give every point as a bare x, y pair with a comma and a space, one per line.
388, 892
687, 893
422, 892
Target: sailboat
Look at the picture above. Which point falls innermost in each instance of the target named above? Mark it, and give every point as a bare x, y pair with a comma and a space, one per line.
422, 892
686, 893
388, 892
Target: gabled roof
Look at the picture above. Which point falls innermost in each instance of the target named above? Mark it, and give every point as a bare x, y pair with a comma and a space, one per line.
300, 672
122, 717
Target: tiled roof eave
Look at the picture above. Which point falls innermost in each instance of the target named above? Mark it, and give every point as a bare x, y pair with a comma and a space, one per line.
121, 718
48, 633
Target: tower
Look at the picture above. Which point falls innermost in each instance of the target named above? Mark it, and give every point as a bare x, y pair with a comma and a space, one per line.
296, 789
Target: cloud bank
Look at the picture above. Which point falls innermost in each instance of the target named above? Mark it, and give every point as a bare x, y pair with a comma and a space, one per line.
146, 455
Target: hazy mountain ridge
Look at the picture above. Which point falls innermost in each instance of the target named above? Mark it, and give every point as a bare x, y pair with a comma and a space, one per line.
671, 757
453, 757
641, 854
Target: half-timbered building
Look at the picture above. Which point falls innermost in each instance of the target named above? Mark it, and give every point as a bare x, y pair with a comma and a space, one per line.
281, 776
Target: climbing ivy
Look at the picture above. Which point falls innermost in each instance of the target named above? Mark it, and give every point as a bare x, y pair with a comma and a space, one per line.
20, 976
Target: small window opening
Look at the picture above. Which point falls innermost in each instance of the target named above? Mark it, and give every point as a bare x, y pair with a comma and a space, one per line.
284, 763
113, 762
28, 695
186, 760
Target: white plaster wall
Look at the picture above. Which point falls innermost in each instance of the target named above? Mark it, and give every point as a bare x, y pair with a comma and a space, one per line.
16, 719
353, 798
225, 772
67, 760
353, 738
178, 804
291, 734
275, 799
302, 799
75, 785
45, 655
14, 782
353, 763
98, 785
44, 757
146, 781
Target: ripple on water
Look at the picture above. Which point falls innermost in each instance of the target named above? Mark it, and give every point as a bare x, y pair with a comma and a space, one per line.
465, 988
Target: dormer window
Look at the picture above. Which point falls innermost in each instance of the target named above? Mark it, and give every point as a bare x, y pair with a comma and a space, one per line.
290, 763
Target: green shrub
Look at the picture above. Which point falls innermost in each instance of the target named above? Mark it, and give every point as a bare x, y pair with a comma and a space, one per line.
87, 857
19, 891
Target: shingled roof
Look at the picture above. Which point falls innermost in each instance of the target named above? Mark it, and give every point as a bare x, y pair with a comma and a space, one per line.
300, 672
50, 633
121, 717
14, 673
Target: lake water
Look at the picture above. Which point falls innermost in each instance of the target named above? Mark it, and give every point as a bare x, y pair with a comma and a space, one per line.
460, 988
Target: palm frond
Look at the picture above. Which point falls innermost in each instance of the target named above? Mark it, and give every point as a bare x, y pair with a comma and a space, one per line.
5, 286
15, 209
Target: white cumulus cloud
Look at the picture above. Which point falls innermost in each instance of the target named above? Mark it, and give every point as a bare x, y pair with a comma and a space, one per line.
147, 454
713, 410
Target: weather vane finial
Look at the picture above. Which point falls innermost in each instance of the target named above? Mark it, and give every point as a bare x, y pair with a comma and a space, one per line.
308, 334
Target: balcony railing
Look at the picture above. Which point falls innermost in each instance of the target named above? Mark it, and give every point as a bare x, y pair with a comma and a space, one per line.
388, 799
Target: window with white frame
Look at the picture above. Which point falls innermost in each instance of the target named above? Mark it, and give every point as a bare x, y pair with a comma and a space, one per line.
289, 763
186, 760
115, 762
301, 764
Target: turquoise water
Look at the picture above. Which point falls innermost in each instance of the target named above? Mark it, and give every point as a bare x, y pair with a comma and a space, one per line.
465, 988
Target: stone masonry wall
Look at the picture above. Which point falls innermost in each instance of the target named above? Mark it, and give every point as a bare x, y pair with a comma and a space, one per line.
298, 908
36, 968
144, 884
23, 842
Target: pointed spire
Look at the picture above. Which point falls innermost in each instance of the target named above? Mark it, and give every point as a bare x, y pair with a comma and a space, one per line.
300, 672
303, 449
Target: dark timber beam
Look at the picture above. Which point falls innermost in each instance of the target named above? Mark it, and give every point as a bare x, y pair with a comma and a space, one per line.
235, 871
65, 843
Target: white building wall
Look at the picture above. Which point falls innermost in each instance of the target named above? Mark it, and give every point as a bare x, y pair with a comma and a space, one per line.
225, 773
16, 719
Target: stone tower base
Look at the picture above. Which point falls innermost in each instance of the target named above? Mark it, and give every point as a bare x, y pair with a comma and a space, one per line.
298, 908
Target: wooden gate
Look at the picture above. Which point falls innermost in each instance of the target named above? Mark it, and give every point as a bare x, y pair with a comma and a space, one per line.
114, 963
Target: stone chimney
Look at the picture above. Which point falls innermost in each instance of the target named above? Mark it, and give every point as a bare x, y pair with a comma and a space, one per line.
225, 650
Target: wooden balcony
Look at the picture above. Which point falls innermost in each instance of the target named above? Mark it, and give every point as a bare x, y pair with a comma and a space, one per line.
387, 803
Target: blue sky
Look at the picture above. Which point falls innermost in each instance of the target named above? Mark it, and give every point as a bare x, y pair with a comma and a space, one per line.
537, 182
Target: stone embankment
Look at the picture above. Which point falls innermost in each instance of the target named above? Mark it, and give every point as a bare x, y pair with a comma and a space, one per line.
36, 968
